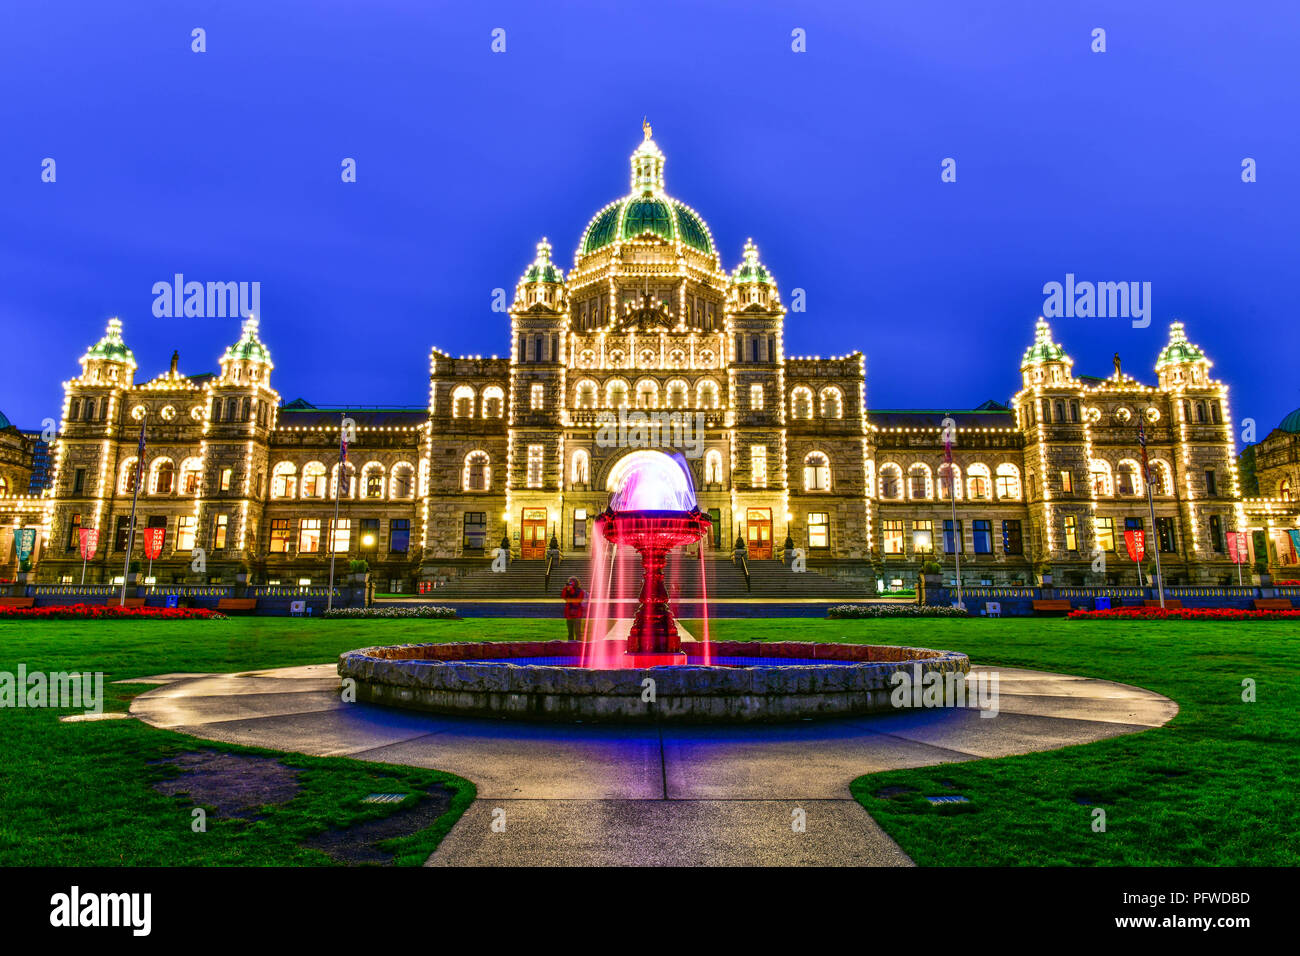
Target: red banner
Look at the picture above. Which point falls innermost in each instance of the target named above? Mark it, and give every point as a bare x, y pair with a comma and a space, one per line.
1136, 543
153, 542
1239, 547
89, 542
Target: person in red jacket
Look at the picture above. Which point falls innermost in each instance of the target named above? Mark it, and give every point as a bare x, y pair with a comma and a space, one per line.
575, 608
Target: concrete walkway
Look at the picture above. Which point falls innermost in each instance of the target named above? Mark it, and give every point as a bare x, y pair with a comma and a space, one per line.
586, 794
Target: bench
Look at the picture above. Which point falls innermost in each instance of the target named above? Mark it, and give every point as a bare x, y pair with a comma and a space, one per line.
1273, 604
236, 604
1059, 606
1169, 603
17, 602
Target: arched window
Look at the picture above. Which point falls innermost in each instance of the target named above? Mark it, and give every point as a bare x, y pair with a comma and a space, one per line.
706, 393
979, 484
585, 394
891, 482
478, 472
816, 472
1128, 478
4, 485
1214, 413
713, 467
313, 480
949, 480
372, 480
678, 393
1162, 478
801, 402
581, 469
493, 401
616, 393
918, 481
1284, 490
162, 476
1008, 481
832, 402
462, 402
402, 483
246, 411
284, 480
647, 393
345, 484
232, 409
1200, 413
1102, 485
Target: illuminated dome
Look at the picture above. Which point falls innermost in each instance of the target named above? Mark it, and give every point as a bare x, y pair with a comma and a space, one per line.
111, 348
647, 210
1179, 351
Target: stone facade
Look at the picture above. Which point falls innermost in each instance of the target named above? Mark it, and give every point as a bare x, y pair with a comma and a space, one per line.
646, 342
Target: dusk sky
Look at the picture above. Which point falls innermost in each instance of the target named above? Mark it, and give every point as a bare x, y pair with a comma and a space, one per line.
225, 166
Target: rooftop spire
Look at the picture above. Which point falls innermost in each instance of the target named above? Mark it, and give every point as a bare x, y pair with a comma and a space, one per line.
647, 165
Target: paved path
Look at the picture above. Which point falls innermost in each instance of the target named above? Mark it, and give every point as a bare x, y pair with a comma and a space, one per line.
587, 794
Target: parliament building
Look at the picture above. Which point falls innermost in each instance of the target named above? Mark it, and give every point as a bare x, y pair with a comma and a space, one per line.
648, 341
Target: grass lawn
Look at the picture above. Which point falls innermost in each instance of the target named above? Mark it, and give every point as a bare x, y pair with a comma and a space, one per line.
1216, 786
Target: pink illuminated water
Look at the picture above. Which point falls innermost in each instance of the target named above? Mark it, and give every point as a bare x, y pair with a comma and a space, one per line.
650, 481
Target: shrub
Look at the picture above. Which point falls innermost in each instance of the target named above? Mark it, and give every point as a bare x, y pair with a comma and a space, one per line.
1184, 614
846, 612
395, 613
931, 567
95, 612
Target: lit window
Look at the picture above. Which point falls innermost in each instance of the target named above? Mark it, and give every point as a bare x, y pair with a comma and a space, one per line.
801, 403
535, 453
1071, 533
756, 398
342, 535
713, 467
758, 466
309, 536
227, 478
893, 534
185, 533
1008, 481
1105, 532
832, 403
313, 480
923, 537
478, 472
581, 467
279, 535
816, 473
536, 397
1067, 483
219, 538
819, 530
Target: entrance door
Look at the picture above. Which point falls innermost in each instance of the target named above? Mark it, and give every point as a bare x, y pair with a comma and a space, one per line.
532, 542
758, 533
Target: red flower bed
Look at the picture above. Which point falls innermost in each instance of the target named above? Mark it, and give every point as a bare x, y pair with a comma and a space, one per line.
1184, 614
88, 612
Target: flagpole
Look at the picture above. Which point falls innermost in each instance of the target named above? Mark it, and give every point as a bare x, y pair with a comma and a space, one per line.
338, 493
130, 534
1151, 509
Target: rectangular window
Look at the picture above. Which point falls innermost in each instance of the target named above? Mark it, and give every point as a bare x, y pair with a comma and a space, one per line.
1013, 541
758, 466
892, 531
923, 537
1216, 532
983, 537
536, 397
1211, 487
74, 538
219, 534
1104, 529
227, 476
952, 543
185, 528
341, 538
756, 398
309, 536
1133, 524
1071, 533
1067, 483
819, 530
579, 527
123, 532
369, 540
1166, 536
79, 481
399, 535
535, 453
715, 519
279, 536
475, 530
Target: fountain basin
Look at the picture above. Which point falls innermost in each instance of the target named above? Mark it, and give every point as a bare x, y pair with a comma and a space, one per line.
768, 681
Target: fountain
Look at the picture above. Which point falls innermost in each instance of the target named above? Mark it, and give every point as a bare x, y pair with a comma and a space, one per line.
652, 675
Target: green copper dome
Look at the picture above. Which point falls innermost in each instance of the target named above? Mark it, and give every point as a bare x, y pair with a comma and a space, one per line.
542, 269
5, 422
1179, 351
111, 348
648, 210
1289, 424
751, 270
1043, 349
249, 348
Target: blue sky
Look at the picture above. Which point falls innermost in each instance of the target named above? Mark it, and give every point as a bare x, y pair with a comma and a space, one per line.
224, 165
